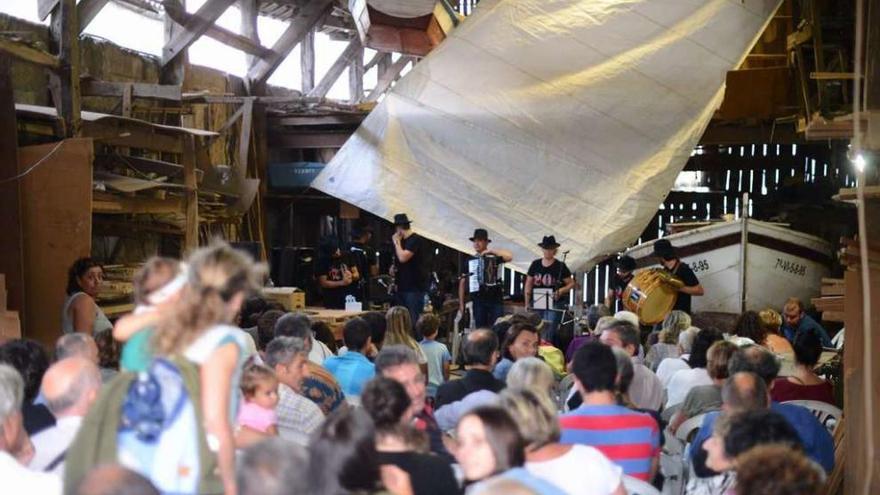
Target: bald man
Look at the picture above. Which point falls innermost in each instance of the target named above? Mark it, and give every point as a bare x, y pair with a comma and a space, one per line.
70, 387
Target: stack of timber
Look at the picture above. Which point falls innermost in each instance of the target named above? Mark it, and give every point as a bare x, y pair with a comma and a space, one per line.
830, 304
10, 324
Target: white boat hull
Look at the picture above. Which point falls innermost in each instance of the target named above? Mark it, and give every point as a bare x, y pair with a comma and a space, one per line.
780, 263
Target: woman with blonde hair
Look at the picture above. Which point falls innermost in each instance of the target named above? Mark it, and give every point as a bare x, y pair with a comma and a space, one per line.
532, 374
199, 327
667, 340
771, 321
399, 331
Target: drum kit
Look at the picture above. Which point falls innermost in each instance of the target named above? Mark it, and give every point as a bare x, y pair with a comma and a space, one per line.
651, 295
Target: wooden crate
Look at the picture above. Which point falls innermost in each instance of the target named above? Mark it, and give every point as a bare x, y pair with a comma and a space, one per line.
10, 326
289, 297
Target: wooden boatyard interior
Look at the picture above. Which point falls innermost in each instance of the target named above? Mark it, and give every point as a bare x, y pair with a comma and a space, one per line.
121, 155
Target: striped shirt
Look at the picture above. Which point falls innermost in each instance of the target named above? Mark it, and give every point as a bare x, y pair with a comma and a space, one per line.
628, 438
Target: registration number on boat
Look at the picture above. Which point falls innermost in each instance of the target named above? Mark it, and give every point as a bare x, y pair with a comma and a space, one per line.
700, 266
791, 267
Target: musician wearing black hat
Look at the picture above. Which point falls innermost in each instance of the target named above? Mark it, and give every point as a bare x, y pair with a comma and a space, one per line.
625, 267
550, 273
363, 256
410, 275
486, 295
334, 276
668, 257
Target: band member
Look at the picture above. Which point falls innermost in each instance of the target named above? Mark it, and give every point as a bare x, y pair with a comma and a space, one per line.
410, 276
664, 250
625, 267
550, 273
334, 276
363, 257
487, 300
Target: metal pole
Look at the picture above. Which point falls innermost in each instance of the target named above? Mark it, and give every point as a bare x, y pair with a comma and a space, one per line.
743, 251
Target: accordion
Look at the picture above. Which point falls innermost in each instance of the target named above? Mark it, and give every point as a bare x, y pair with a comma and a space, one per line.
485, 271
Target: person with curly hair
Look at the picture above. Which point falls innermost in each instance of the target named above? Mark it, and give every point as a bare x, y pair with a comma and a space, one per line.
777, 469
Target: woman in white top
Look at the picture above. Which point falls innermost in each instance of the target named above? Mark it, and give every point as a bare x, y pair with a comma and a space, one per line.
80, 312
399, 331
684, 380
199, 328
576, 469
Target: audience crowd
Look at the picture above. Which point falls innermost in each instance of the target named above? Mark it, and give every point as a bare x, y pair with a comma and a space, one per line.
208, 388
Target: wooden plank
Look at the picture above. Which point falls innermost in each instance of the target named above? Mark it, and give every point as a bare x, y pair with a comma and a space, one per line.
115, 133
23, 52
832, 76
126, 101
341, 63
249, 30
143, 165
191, 228
316, 120
833, 290
115, 204
309, 17
244, 42
835, 316
356, 77
198, 24
374, 61
87, 10
65, 33
244, 139
307, 62
91, 87
45, 7
309, 139
56, 226
388, 77
11, 242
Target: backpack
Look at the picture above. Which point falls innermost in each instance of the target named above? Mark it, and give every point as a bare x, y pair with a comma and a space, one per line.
150, 422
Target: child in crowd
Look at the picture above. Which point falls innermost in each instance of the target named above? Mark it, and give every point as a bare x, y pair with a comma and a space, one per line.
437, 353
260, 389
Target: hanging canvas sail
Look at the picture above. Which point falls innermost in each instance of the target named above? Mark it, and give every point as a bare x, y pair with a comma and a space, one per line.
537, 117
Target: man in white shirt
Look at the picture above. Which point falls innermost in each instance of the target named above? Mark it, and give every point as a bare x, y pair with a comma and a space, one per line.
298, 416
15, 449
669, 366
70, 387
646, 391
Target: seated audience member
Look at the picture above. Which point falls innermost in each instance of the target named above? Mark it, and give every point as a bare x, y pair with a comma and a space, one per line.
437, 353
628, 438
490, 446
378, 323
31, 362
669, 366
625, 372
500, 329
319, 386
577, 469
797, 321
70, 387
113, 479
324, 334
646, 391
804, 384
533, 374
777, 469
502, 486
298, 323
273, 467
298, 417
266, 324
477, 386
684, 380
352, 370
250, 312
705, 398
398, 443
748, 330
15, 448
771, 322
735, 434
666, 347
76, 345
400, 331
401, 364
521, 341
755, 361
594, 313
342, 455
259, 389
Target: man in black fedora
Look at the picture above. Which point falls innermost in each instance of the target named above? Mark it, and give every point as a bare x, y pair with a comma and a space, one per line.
410, 275
668, 257
488, 300
363, 256
626, 267
550, 273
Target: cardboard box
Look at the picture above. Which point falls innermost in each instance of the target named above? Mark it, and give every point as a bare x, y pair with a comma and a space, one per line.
10, 325
289, 297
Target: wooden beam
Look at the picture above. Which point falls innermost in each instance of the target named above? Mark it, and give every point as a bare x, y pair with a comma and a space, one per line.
307, 62
354, 47
242, 42
91, 87
45, 7
191, 227
23, 52
309, 140
87, 10
249, 30
353, 119
200, 22
174, 72
356, 77
244, 138
11, 242
116, 204
65, 35
388, 77
374, 61
311, 14
126, 101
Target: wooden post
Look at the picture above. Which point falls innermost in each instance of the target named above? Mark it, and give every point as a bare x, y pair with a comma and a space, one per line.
174, 71
65, 36
307, 62
11, 256
244, 139
191, 228
356, 76
345, 58
249, 11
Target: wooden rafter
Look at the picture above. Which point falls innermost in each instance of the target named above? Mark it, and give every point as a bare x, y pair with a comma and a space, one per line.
345, 58
23, 52
249, 12
170, 92
198, 24
388, 77
311, 14
356, 76
87, 10
178, 14
65, 34
307, 62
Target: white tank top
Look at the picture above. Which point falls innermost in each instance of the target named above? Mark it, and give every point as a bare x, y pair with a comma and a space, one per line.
101, 324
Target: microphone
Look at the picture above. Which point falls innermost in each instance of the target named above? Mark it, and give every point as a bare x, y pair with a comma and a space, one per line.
566, 252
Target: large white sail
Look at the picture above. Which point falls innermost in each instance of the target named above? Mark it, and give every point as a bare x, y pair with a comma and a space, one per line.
537, 117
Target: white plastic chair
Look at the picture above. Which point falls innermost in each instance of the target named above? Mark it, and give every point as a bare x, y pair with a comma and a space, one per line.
673, 463
827, 414
635, 486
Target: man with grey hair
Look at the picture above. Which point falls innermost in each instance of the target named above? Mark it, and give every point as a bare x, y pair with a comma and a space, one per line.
401, 364
299, 325
70, 387
273, 467
671, 365
298, 416
646, 391
15, 449
76, 344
